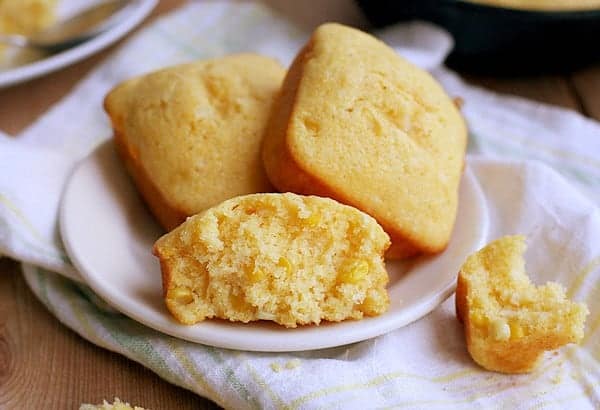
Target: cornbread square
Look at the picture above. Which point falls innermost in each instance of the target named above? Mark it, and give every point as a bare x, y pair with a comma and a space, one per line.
190, 135
356, 122
287, 258
508, 321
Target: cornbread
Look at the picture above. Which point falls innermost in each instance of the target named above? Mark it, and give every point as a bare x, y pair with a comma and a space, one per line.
190, 135
508, 321
542, 5
117, 405
286, 258
357, 123
25, 17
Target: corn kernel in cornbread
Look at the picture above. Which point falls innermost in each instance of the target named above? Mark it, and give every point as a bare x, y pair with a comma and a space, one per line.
356, 122
508, 321
190, 135
261, 256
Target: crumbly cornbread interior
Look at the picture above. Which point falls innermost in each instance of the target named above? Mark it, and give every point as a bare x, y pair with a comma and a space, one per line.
26, 16
509, 321
282, 257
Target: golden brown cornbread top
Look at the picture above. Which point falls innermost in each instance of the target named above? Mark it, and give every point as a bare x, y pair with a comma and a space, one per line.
379, 130
196, 129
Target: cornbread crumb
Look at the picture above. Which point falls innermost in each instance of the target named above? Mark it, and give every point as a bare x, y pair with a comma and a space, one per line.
508, 321
292, 364
356, 122
261, 257
190, 135
117, 405
276, 367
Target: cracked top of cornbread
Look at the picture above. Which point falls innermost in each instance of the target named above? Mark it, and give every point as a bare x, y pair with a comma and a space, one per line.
190, 135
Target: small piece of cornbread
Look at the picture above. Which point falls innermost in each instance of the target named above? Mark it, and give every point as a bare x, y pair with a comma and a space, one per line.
117, 405
508, 321
542, 5
261, 256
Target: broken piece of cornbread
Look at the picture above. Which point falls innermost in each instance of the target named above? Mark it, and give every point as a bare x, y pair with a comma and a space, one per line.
508, 321
117, 405
283, 257
25, 17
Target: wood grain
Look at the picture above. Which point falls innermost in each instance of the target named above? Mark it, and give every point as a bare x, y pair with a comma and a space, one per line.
44, 365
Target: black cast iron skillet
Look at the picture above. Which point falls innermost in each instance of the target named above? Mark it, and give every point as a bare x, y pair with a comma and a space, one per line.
498, 40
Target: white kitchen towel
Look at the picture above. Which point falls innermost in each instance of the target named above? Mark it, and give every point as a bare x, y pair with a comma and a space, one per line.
423, 365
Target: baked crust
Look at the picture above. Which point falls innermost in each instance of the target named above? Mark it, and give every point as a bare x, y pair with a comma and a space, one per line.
190, 135
508, 322
290, 169
292, 259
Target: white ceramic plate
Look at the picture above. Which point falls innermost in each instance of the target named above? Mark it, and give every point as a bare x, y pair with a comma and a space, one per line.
131, 17
109, 235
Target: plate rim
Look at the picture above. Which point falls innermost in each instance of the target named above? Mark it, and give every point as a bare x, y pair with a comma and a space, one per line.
140, 10
354, 333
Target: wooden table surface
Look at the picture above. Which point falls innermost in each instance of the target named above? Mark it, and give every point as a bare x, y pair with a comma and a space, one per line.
45, 365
